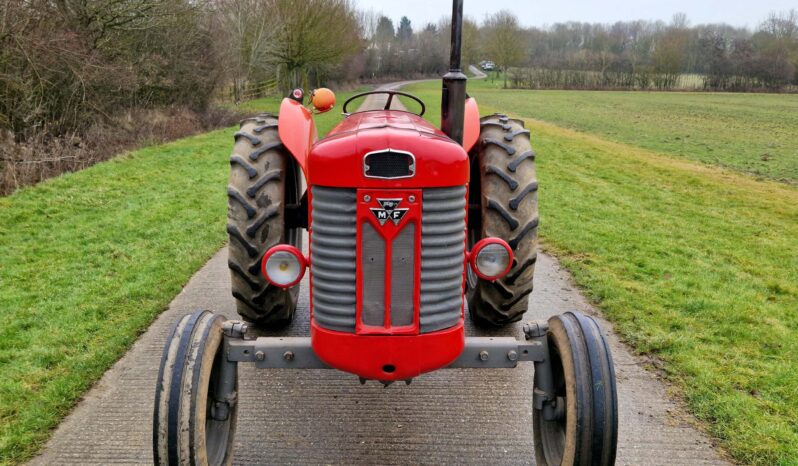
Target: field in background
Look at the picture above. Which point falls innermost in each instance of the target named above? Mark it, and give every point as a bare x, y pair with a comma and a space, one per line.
697, 266
753, 133
90, 258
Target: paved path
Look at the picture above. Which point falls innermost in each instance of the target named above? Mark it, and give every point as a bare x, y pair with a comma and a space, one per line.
327, 417
478, 73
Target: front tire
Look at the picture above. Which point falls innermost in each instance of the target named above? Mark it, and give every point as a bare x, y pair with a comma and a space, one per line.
190, 425
504, 163
584, 428
264, 178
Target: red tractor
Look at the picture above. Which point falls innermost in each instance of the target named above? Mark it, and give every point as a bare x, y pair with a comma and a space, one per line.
406, 222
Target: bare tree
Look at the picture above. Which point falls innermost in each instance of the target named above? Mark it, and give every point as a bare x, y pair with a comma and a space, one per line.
504, 40
312, 34
246, 33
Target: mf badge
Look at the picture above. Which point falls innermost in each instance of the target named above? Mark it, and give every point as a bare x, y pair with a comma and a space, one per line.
389, 211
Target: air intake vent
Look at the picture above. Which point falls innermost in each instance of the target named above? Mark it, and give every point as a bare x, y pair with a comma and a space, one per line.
389, 164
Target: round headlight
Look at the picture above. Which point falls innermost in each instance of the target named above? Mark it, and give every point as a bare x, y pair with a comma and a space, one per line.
491, 258
283, 266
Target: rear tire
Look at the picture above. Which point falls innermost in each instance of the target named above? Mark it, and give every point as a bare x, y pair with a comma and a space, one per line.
504, 163
585, 430
184, 428
263, 179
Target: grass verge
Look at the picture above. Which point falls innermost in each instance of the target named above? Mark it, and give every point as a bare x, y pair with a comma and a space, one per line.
696, 266
90, 258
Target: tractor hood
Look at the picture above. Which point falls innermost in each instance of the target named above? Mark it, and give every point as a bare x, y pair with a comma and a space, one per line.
340, 158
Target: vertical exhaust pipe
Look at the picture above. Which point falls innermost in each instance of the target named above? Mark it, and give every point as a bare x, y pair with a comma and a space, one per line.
454, 82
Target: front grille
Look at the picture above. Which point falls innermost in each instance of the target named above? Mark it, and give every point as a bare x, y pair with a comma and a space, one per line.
333, 249
333, 258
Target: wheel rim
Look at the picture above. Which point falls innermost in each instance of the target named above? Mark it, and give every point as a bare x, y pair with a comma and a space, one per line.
217, 433
552, 433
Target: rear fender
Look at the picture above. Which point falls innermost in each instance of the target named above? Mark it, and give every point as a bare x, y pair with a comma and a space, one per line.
297, 131
470, 124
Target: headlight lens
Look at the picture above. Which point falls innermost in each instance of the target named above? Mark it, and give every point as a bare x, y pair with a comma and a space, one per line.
491, 258
284, 266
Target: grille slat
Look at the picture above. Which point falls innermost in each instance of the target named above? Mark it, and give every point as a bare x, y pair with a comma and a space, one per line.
444, 285
444, 252
332, 297
334, 322
334, 276
334, 254
442, 257
335, 230
333, 264
433, 230
447, 205
446, 264
447, 217
439, 297
438, 241
333, 242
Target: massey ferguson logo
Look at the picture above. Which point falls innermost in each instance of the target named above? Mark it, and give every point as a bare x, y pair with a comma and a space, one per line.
389, 211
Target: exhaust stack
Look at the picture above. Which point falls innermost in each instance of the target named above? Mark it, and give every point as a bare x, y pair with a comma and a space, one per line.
454, 82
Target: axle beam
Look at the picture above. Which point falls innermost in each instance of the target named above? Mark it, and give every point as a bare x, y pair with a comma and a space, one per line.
297, 353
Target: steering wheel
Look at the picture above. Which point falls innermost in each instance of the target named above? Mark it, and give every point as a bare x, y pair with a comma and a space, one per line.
390, 99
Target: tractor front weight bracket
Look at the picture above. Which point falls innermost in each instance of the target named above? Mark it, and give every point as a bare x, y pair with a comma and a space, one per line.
478, 352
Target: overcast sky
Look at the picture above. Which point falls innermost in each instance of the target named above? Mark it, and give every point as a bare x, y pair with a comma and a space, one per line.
542, 12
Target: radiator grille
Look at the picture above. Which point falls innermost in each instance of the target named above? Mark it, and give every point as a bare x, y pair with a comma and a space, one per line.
442, 257
333, 260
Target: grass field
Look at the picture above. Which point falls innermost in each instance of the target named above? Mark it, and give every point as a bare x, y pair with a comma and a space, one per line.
90, 258
696, 265
752, 133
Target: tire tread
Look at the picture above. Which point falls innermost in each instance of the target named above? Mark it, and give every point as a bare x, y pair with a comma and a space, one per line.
257, 191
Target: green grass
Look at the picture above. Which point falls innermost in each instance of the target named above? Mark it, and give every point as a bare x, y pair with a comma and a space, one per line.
90, 258
752, 133
695, 265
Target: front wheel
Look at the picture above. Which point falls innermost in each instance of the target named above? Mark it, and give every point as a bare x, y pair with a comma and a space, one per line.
195, 400
580, 424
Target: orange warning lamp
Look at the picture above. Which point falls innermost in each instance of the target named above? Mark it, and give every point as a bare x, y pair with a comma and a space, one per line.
323, 99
